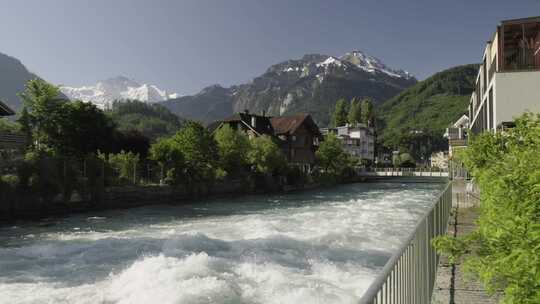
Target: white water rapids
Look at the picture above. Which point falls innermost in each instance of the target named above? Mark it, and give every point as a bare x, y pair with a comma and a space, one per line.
321, 246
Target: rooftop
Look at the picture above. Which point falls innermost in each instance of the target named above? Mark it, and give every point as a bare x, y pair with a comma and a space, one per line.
5, 110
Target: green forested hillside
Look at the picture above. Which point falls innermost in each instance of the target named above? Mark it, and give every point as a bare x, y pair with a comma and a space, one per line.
427, 108
152, 120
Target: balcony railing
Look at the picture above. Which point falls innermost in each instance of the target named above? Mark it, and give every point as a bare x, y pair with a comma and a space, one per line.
409, 275
522, 60
456, 133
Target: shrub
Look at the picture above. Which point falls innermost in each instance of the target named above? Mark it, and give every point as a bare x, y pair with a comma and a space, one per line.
505, 249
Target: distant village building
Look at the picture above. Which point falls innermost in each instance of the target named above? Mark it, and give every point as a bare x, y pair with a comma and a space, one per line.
508, 80
298, 136
457, 135
10, 141
358, 140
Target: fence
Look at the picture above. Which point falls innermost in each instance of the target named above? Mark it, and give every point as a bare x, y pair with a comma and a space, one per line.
409, 275
426, 172
457, 170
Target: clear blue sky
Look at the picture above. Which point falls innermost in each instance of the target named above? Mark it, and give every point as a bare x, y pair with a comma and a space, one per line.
183, 46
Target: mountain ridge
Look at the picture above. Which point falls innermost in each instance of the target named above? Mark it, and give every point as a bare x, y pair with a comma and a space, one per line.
13, 78
311, 84
104, 92
429, 106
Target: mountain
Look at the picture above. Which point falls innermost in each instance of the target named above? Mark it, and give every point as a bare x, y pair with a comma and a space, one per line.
13, 78
427, 107
119, 88
311, 85
210, 104
151, 120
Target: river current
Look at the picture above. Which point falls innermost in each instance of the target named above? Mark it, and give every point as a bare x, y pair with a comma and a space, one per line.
319, 246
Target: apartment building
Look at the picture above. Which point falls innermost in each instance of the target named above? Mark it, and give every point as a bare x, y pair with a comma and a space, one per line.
358, 140
508, 81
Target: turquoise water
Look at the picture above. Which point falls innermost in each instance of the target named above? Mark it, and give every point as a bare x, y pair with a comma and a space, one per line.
322, 246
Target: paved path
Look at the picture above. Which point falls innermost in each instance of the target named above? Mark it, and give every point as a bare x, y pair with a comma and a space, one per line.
450, 286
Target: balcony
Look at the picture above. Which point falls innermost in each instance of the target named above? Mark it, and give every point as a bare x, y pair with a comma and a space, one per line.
521, 46
456, 133
457, 142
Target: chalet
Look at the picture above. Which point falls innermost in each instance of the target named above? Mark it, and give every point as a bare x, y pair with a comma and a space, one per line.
10, 141
297, 135
251, 124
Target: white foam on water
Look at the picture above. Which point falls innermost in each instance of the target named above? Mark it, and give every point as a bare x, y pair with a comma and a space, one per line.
314, 247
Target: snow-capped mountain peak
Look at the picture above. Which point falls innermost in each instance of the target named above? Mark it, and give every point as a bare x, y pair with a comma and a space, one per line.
329, 61
372, 64
118, 88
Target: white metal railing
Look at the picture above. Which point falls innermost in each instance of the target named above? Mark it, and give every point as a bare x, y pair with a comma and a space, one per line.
409, 275
425, 172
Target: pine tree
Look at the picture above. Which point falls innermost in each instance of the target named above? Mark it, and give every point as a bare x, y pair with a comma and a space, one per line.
355, 112
339, 117
367, 112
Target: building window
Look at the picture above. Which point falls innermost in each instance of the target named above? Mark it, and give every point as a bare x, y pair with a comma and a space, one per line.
491, 118
521, 46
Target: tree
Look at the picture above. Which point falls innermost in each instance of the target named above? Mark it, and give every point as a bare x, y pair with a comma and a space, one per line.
152, 120
170, 159
81, 129
59, 127
131, 141
233, 148
355, 112
41, 112
403, 160
199, 150
367, 112
504, 252
331, 156
265, 156
125, 163
339, 117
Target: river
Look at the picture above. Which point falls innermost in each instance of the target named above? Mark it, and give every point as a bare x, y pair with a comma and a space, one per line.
319, 246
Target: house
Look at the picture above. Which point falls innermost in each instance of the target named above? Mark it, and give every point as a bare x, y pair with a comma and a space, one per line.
508, 78
10, 141
251, 124
297, 135
358, 140
457, 135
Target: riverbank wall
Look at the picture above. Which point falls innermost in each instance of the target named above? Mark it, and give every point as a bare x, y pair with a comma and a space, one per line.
26, 206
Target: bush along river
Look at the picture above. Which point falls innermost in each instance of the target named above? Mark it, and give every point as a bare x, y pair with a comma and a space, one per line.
318, 246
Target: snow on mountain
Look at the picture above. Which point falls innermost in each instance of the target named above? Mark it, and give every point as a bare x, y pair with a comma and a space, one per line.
329, 61
119, 88
372, 64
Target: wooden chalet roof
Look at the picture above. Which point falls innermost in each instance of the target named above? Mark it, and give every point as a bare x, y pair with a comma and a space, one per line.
5, 110
289, 124
262, 126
